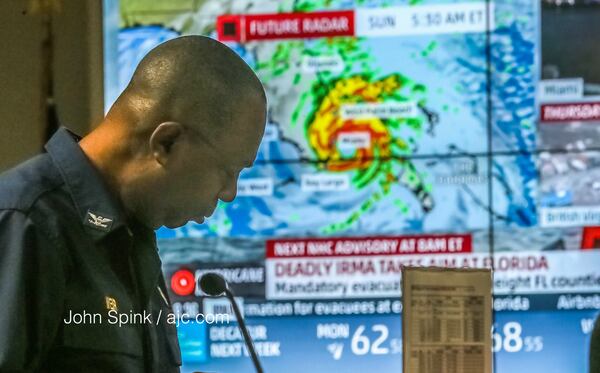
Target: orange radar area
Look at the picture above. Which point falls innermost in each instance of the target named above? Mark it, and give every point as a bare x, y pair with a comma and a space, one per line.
345, 129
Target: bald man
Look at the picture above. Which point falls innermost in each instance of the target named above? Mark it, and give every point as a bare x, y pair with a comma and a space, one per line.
77, 247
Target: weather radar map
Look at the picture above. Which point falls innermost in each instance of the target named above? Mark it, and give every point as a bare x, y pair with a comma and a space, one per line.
377, 111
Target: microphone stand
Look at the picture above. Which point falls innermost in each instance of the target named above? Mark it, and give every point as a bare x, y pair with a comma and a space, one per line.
242, 327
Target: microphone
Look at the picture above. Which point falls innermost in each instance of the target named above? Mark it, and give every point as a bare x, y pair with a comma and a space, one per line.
215, 285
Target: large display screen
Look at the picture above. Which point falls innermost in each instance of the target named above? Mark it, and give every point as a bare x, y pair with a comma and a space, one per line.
400, 132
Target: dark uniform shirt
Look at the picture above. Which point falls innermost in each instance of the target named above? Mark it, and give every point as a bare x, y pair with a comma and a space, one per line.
594, 355
71, 265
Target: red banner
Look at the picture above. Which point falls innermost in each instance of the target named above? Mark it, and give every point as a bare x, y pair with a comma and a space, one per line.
590, 238
581, 111
399, 245
242, 28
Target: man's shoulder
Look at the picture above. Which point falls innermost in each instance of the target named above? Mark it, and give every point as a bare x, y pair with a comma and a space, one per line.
24, 185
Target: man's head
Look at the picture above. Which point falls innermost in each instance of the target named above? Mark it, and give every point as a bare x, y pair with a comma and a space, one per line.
175, 141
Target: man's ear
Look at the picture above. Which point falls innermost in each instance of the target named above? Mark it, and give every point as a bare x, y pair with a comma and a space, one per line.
163, 140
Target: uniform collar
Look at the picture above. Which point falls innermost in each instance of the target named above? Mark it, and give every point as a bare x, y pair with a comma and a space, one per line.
99, 210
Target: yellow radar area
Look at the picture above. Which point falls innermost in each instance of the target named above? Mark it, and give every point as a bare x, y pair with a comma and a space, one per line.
345, 130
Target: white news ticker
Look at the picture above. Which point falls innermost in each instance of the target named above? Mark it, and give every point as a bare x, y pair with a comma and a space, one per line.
373, 276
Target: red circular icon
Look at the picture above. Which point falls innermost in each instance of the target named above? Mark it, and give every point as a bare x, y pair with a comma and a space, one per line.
183, 282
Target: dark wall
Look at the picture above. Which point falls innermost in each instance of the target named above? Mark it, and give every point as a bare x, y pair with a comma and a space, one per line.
77, 73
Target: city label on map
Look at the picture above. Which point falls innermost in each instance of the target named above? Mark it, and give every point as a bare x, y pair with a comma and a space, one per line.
569, 216
316, 64
324, 183
354, 140
427, 19
560, 89
384, 110
255, 187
